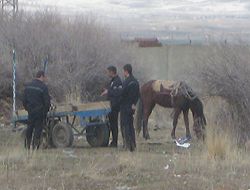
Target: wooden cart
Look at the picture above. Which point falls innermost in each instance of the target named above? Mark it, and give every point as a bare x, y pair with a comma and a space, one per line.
66, 121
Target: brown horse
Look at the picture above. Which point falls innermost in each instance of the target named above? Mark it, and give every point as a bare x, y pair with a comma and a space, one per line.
170, 94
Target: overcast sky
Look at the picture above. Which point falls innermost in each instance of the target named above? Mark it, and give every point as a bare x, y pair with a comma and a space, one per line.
160, 18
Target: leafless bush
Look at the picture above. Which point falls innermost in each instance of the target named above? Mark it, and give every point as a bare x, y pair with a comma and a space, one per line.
224, 72
78, 48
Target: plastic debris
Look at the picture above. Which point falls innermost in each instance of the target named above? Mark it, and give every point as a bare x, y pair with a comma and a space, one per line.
175, 175
166, 167
70, 153
184, 145
124, 188
184, 140
79, 137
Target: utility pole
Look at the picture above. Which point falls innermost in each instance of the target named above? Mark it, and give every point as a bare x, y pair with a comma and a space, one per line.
9, 7
8, 10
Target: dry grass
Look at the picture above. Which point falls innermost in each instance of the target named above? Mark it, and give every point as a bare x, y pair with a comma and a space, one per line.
219, 143
217, 164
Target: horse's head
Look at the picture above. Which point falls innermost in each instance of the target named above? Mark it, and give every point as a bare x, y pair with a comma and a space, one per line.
196, 107
199, 127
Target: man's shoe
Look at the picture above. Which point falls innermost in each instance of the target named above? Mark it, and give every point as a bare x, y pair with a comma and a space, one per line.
113, 145
132, 147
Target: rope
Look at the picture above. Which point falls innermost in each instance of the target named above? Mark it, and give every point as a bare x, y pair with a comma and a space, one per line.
181, 88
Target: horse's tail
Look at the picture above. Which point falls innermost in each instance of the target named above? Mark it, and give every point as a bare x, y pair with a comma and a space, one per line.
138, 116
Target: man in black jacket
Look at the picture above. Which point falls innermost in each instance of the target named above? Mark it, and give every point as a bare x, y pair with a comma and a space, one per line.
129, 97
113, 92
36, 101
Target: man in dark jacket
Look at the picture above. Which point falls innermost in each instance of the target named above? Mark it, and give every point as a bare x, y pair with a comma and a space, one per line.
36, 101
129, 97
113, 92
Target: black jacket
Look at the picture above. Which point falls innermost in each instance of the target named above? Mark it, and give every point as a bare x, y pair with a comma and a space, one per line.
130, 91
36, 99
114, 92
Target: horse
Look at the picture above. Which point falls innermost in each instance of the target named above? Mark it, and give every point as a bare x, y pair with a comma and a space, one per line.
170, 94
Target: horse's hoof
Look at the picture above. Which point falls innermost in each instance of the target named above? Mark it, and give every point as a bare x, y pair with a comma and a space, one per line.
173, 137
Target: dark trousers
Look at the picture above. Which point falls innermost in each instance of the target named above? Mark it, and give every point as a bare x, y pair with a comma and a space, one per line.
127, 128
34, 130
113, 120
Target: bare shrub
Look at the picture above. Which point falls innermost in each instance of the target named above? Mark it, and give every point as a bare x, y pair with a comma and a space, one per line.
78, 48
224, 72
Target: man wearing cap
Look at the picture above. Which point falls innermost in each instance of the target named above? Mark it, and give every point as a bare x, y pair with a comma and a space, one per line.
36, 101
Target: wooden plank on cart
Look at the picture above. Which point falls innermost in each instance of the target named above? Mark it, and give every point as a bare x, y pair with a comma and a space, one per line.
92, 106
59, 108
21, 113
64, 108
69, 108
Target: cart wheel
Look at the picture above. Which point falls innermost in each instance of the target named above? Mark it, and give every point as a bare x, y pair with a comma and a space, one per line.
62, 135
98, 135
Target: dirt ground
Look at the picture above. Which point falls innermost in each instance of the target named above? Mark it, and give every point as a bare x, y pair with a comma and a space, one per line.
156, 164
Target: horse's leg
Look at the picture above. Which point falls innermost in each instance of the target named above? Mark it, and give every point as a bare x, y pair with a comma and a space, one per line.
186, 121
177, 112
146, 114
